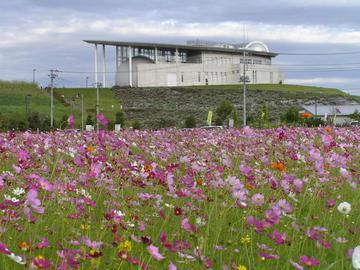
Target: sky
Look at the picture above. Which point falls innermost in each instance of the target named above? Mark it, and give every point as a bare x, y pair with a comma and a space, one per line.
49, 34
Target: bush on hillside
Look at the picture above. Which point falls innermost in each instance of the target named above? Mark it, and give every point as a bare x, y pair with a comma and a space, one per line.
190, 122
120, 118
89, 120
223, 111
291, 116
136, 124
34, 121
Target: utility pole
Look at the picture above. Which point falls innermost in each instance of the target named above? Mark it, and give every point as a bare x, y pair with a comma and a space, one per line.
53, 76
244, 90
97, 104
34, 70
82, 112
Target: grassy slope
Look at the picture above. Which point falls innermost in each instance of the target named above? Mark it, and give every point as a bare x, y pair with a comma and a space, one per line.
12, 100
149, 105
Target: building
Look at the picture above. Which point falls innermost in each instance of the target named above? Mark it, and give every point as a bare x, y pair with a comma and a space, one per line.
336, 114
196, 63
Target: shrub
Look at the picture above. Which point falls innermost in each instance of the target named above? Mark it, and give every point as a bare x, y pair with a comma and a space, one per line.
120, 118
190, 122
291, 116
34, 121
223, 111
136, 124
89, 120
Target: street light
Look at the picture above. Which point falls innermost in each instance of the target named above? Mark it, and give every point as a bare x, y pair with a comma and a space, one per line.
34, 70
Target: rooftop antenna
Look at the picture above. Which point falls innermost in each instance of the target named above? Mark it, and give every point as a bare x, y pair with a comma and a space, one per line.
244, 33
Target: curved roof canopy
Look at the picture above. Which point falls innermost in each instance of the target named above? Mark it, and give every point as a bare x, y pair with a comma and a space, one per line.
257, 46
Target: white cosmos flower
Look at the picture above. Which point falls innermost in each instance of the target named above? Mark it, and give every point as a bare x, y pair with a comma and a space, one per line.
16, 259
18, 191
356, 258
344, 208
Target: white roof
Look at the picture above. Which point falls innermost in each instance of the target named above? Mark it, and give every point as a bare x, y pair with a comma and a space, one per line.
332, 109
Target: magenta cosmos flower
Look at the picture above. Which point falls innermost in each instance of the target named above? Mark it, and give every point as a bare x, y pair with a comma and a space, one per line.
154, 252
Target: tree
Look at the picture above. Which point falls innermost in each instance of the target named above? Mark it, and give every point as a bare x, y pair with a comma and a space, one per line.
136, 124
263, 116
64, 121
291, 116
223, 111
236, 118
89, 120
34, 120
46, 124
120, 118
190, 122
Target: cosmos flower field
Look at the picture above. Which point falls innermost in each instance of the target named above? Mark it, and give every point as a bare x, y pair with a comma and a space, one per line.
180, 199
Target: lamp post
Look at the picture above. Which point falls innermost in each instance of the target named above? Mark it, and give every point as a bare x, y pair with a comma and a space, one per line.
244, 79
34, 70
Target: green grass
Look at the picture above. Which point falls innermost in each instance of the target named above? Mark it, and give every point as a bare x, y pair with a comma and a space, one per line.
150, 105
12, 101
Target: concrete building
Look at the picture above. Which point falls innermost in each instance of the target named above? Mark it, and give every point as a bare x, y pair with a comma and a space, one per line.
196, 63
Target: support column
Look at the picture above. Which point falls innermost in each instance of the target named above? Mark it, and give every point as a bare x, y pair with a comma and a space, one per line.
117, 64
117, 59
130, 65
96, 64
156, 56
176, 56
104, 67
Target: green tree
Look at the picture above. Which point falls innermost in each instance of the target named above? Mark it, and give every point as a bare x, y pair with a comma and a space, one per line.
89, 120
136, 124
291, 116
236, 118
223, 111
34, 121
190, 122
120, 118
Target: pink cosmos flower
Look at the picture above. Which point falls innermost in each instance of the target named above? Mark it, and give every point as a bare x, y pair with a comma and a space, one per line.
154, 252
309, 261
32, 202
172, 266
258, 199
43, 244
102, 120
71, 121
279, 238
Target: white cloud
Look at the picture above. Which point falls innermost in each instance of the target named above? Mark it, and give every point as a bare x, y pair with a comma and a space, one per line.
336, 3
69, 29
322, 80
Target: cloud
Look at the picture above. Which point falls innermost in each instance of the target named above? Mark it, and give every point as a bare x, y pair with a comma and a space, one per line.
70, 29
324, 3
323, 80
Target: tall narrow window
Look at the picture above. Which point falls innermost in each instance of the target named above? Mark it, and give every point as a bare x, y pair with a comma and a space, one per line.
182, 77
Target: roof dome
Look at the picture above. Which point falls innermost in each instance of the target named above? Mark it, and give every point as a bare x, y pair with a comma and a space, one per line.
257, 46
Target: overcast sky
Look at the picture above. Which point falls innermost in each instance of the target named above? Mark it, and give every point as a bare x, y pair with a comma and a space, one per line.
46, 34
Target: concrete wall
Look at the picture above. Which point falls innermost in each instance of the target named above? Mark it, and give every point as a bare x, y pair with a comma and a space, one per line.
214, 69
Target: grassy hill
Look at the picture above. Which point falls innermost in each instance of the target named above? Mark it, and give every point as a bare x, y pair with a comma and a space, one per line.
153, 105
12, 101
